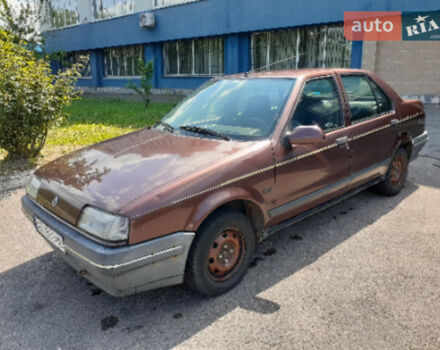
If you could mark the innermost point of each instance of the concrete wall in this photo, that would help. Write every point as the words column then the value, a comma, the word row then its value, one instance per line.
column 410, row 67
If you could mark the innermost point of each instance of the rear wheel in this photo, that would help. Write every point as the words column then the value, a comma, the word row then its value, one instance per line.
column 221, row 253
column 396, row 175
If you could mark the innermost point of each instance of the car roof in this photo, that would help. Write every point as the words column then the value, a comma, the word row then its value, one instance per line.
column 295, row 73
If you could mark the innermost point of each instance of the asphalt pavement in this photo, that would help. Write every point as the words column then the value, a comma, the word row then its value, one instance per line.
column 364, row 274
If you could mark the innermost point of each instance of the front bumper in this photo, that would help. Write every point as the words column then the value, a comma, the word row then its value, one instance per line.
column 418, row 143
column 118, row 271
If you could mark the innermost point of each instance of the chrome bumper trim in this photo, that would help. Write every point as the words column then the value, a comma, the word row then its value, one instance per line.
column 418, row 143
column 148, row 259
column 421, row 139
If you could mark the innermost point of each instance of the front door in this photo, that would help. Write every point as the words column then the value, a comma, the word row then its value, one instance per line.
column 308, row 175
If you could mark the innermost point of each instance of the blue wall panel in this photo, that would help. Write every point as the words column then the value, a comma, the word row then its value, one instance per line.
column 356, row 54
column 244, row 53
column 96, row 67
column 181, row 83
column 218, row 17
column 86, row 82
column 118, row 82
column 237, row 53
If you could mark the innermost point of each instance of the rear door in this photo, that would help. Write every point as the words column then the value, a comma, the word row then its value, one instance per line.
column 372, row 127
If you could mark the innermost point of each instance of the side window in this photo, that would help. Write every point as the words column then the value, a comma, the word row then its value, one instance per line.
column 319, row 104
column 383, row 101
column 360, row 97
column 366, row 99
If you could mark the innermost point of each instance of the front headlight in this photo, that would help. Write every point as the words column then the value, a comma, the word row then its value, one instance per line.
column 104, row 225
column 32, row 187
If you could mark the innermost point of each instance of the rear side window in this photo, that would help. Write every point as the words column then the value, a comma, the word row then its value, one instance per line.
column 319, row 105
column 365, row 98
column 383, row 101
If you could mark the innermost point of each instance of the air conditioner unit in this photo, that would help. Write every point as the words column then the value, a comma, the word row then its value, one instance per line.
column 147, row 20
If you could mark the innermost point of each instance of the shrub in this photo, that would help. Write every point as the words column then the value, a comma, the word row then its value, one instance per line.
column 32, row 99
column 146, row 71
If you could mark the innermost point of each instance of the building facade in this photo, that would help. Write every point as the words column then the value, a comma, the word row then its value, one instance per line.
column 191, row 41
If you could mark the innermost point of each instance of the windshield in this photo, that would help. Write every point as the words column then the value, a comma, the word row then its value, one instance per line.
column 242, row 109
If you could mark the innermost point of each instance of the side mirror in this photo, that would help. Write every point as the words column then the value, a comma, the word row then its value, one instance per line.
column 305, row 135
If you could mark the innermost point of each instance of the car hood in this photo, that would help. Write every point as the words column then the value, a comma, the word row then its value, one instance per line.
column 113, row 173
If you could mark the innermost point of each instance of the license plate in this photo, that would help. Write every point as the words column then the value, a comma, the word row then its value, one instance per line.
column 49, row 234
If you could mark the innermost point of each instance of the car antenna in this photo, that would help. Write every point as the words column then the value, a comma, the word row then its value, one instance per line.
column 246, row 74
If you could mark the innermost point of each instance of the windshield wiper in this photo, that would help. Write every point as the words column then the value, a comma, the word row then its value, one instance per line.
column 204, row 131
column 165, row 125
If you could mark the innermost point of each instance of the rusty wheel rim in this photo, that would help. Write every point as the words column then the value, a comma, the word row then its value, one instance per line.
column 226, row 254
column 397, row 168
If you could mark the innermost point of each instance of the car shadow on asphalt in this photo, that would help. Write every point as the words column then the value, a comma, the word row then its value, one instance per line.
column 44, row 304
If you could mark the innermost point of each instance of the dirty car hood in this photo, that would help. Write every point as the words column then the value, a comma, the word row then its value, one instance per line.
column 113, row 173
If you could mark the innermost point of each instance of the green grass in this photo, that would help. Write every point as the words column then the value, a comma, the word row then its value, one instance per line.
column 94, row 120
column 90, row 121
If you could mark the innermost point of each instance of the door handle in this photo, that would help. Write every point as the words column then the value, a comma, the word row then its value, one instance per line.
column 343, row 142
column 394, row 122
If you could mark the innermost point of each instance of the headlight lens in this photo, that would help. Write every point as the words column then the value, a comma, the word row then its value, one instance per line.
column 104, row 225
column 32, row 187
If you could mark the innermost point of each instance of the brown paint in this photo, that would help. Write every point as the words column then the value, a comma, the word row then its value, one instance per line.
column 167, row 183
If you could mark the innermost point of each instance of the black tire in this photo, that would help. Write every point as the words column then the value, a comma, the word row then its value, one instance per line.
column 395, row 177
column 221, row 253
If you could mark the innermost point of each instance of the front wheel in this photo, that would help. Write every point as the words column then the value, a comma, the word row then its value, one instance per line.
column 221, row 253
column 396, row 175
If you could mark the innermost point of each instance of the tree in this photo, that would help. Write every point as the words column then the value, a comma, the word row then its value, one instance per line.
column 32, row 99
column 146, row 71
column 23, row 20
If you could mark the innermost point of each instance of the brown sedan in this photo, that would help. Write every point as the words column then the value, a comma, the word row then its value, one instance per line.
column 243, row 157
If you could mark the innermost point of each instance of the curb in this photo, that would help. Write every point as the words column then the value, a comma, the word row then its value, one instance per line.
column 14, row 182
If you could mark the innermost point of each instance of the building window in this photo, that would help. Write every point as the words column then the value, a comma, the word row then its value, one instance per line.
column 82, row 57
column 58, row 13
column 306, row 47
column 54, row 14
column 122, row 61
column 166, row 3
column 194, row 57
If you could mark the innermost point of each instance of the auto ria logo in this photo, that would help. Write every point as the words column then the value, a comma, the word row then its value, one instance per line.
column 424, row 26
column 391, row 25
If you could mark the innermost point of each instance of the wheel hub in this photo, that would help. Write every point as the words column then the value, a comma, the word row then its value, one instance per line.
column 396, row 170
column 225, row 253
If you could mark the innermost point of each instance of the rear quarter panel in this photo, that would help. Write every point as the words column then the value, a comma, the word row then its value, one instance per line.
column 413, row 118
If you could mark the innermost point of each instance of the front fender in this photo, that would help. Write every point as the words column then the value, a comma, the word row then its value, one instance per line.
column 217, row 199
